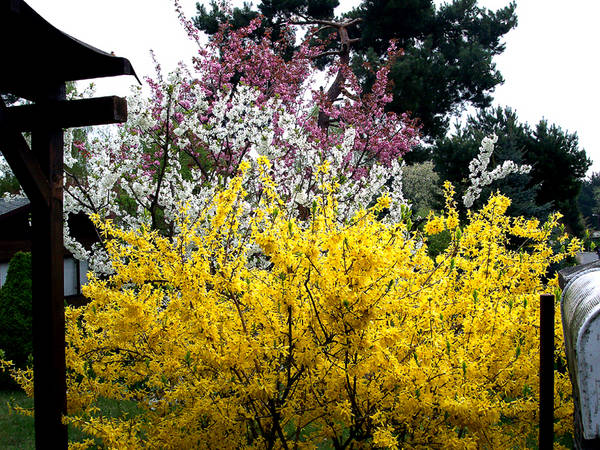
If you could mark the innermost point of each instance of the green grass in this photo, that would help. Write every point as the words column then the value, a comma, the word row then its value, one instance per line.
column 17, row 430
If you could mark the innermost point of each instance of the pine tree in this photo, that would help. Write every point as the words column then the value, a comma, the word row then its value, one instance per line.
column 16, row 331
column 587, row 200
column 558, row 164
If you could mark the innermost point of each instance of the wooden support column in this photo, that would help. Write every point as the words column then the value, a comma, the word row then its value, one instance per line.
column 48, row 286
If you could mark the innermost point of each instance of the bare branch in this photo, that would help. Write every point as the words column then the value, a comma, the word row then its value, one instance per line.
column 325, row 23
column 329, row 53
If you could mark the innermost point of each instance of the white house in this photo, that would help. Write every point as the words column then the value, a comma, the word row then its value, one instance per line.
column 15, row 236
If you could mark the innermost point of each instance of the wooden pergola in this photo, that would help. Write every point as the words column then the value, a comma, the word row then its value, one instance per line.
column 37, row 61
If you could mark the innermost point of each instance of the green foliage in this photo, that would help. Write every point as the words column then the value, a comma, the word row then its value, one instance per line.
column 16, row 430
column 16, row 313
column 558, row 164
column 588, row 200
column 422, row 188
column 448, row 54
column 9, row 184
column 438, row 243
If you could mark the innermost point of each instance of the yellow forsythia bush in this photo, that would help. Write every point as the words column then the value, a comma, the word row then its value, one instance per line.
column 349, row 336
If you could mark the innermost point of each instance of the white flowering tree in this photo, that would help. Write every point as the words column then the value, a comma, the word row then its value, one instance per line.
column 240, row 101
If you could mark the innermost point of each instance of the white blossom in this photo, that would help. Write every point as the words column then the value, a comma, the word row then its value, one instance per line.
column 116, row 184
column 480, row 177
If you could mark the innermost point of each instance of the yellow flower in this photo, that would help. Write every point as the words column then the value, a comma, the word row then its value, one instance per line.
column 434, row 224
column 340, row 327
column 383, row 202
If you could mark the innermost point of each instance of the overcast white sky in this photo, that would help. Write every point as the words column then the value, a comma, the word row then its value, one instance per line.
column 550, row 64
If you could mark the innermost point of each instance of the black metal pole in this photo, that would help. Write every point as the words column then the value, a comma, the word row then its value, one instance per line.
column 546, row 425
column 50, row 401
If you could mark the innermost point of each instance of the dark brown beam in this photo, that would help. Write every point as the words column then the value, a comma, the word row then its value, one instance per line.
column 22, row 161
column 69, row 114
column 49, row 365
column 9, row 248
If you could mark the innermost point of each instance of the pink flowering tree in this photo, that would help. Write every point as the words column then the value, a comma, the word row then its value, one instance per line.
column 238, row 101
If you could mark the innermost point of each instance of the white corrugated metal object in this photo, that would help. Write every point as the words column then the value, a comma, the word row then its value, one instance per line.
column 580, row 307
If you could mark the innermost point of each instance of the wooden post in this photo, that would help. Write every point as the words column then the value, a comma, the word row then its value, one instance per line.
column 546, row 425
column 40, row 172
column 50, row 400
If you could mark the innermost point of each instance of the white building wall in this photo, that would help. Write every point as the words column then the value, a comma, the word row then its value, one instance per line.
column 70, row 282
column 3, row 272
column 83, row 271
column 70, row 279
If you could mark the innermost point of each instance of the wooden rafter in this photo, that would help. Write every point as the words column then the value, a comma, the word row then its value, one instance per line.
column 69, row 114
column 21, row 160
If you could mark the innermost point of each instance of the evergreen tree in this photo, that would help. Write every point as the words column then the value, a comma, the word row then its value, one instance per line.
column 448, row 54
column 558, row 164
column 275, row 16
column 452, row 156
column 588, row 200
column 16, row 331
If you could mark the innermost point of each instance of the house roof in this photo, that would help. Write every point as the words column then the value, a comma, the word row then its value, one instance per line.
column 15, row 230
column 36, row 55
column 12, row 205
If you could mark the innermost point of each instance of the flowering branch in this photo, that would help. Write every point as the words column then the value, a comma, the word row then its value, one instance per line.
column 480, row 177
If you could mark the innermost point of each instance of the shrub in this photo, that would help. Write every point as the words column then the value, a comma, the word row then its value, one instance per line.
column 438, row 243
column 347, row 334
column 422, row 188
column 16, row 313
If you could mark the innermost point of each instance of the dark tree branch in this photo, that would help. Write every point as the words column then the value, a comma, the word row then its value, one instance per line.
column 344, row 53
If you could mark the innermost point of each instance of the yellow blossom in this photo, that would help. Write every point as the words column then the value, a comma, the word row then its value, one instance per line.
column 346, row 332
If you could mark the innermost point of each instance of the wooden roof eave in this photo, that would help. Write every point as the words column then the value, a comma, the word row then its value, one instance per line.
column 39, row 55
